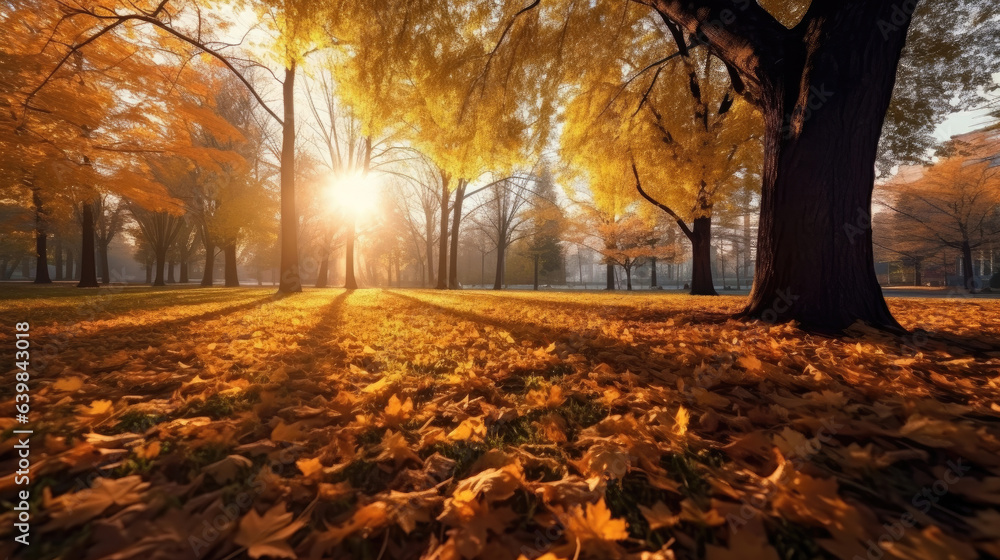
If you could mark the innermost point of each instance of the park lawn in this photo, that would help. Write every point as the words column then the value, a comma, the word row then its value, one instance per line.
column 397, row 424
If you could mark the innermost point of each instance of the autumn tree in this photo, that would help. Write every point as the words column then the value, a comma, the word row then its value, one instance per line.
column 545, row 230
column 110, row 214
column 955, row 202
column 503, row 217
column 680, row 128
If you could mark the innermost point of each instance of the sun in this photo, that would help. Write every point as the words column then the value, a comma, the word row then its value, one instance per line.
column 355, row 193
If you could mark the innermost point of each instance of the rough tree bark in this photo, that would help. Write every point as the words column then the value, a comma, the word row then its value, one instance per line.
column 823, row 87
column 652, row 273
column 610, row 277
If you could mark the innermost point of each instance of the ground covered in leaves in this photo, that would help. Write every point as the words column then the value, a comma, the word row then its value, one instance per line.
column 196, row 423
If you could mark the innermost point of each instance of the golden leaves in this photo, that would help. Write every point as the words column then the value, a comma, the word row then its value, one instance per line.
column 471, row 429
column 594, row 522
column 397, row 412
column 644, row 405
column 266, row 535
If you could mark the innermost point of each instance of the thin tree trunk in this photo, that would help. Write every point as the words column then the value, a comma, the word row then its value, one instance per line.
column 814, row 251
column 58, row 258
column 428, row 280
column 498, row 279
column 41, row 242
column 455, row 223
column 746, row 246
column 610, row 277
column 289, row 282
column 88, row 264
column 102, row 253
column 232, row 275
column 968, row 273
column 536, row 272
column 442, row 275
column 918, row 265
column 185, row 264
column 350, row 282
column 652, row 273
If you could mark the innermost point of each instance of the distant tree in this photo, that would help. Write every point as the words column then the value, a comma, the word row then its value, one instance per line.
column 110, row 214
column 955, row 202
column 545, row 231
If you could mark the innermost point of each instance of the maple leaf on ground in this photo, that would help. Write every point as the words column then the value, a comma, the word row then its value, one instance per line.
column 79, row 507
column 593, row 522
column 471, row 429
column 395, row 448
column 266, row 535
column 397, row 412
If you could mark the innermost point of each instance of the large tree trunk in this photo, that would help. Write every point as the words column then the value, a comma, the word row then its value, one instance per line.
column 918, row 266
column 41, row 242
column 232, row 275
column 628, row 278
column 652, row 273
column 610, row 277
column 442, row 275
column 702, row 283
column 170, row 273
column 88, row 264
column 455, row 223
column 185, row 263
column 351, row 283
column 814, row 249
column 289, row 281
